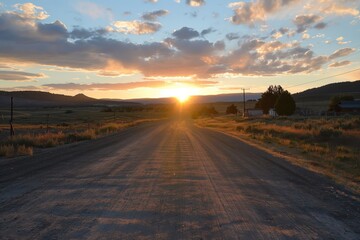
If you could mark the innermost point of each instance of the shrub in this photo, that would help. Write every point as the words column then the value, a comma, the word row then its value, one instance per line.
column 86, row 135
column 240, row 128
column 11, row 150
column 108, row 128
column 232, row 109
column 327, row 133
column 24, row 150
column 7, row 150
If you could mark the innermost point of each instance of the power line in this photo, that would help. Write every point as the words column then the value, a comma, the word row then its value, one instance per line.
column 320, row 79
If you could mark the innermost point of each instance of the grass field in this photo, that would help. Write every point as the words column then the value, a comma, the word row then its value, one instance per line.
column 327, row 145
column 37, row 128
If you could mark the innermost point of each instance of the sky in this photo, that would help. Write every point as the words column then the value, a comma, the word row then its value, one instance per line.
column 160, row 48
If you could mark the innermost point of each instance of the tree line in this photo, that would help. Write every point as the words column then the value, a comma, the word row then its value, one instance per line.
column 274, row 97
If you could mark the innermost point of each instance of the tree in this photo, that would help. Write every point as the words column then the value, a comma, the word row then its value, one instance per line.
column 268, row 98
column 285, row 104
column 336, row 100
column 232, row 109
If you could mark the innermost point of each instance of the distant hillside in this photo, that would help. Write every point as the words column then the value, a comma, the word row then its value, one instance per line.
column 46, row 99
column 325, row 93
column 232, row 97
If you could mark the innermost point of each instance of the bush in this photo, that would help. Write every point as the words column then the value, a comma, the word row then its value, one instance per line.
column 203, row 111
column 24, row 150
column 7, row 150
column 11, row 150
column 232, row 109
column 327, row 133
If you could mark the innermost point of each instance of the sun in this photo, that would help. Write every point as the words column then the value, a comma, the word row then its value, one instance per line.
column 182, row 99
column 182, row 94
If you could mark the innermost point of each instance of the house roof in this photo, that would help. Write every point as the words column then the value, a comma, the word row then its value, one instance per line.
column 350, row 104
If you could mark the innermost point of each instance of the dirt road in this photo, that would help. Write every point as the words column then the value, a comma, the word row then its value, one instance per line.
column 169, row 180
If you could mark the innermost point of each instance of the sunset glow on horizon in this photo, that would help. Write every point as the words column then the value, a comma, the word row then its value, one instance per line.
column 176, row 48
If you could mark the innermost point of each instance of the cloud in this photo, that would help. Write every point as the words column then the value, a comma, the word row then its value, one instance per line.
column 3, row 65
column 31, row 11
column 152, row 16
column 26, row 40
column 106, row 86
column 207, row 31
column 333, row 7
column 320, row 25
column 19, row 76
column 303, row 22
column 339, row 64
column 16, row 26
column 186, row 33
column 305, row 36
column 250, row 13
column 258, row 57
column 195, row 47
column 340, row 41
column 276, row 34
column 342, row 53
column 232, row 36
column 151, row 1
column 193, row 14
column 195, row 3
column 82, row 33
column 184, row 53
column 136, row 27
column 93, row 10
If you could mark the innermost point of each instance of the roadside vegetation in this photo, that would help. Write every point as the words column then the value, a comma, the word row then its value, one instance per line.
column 327, row 145
column 50, row 127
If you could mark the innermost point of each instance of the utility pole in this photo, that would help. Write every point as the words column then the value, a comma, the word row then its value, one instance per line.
column 244, row 100
column 12, row 133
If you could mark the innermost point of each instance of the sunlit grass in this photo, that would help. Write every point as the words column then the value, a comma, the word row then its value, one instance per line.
column 332, row 145
column 32, row 130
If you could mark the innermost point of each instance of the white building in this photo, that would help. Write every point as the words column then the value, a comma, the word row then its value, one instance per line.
column 253, row 112
column 272, row 112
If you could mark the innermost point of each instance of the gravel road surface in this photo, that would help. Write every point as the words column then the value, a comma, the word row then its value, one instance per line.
column 169, row 180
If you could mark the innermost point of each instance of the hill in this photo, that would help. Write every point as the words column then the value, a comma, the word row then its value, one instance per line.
column 232, row 97
column 46, row 99
column 325, row 93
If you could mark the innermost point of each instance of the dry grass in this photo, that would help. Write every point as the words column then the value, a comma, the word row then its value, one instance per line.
column 23, row 144
column 330, row 145
column 13, row 150
column 7, row 150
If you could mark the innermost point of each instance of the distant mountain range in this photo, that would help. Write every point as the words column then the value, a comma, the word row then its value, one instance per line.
column 46, row 99
column 325, row 93
column 232, row 97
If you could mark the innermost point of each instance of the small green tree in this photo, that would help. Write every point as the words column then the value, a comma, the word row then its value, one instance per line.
column 336, row 100
column 232, row 109
column 285, row 104
column 268, row 98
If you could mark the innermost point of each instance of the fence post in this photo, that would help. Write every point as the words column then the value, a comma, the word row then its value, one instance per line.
column 47, row 122
column 12, row 133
